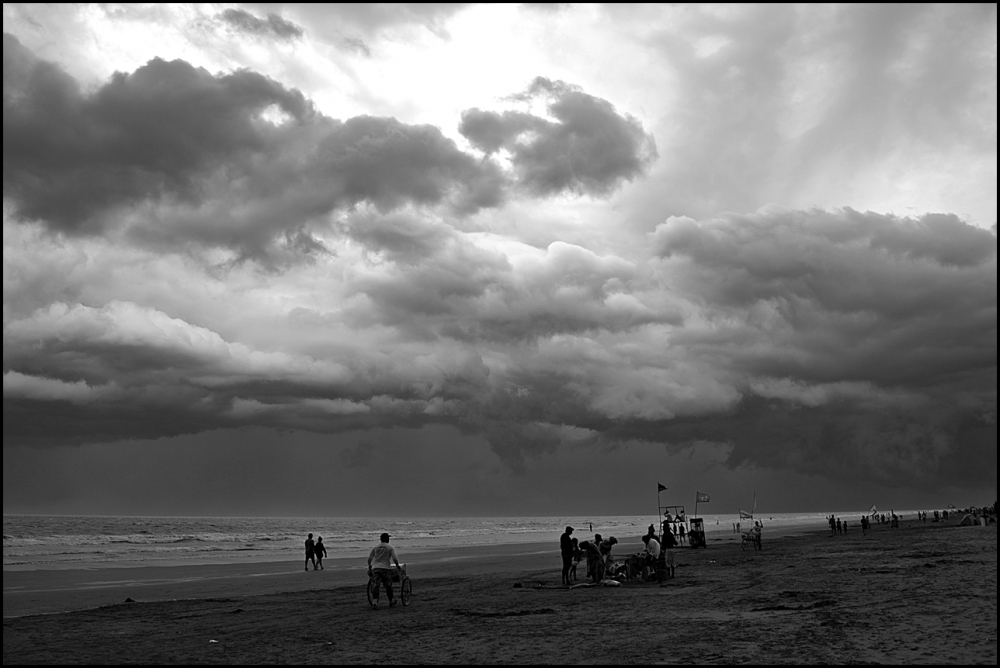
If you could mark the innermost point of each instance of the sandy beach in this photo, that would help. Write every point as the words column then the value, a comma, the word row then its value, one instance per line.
column 923, row 593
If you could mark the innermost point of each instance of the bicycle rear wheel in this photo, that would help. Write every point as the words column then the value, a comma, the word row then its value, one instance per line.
column 405, row 590
column 372, row 591
column 743, row 544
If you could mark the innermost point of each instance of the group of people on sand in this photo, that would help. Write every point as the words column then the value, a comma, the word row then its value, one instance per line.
column 597, row 553
column 838, row 526
column 315, row 551
column 600, row 561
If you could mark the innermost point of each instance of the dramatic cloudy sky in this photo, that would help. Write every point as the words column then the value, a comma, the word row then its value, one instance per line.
column 342, row 260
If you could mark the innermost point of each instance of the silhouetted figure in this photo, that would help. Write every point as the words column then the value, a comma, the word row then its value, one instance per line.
column 566, row 551
column 669, row 543
column 577, row 558
column 320, row 551
column 310, row 552
column 605, row 547
column 595, row 564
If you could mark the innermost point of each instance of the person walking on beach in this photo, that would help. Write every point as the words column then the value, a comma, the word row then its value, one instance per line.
column 310, row 552
column 683, row 537
column 320, row 552
column 566, row 550
column 379, row 566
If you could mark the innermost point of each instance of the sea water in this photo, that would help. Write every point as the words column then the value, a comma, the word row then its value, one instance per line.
column 60, row 541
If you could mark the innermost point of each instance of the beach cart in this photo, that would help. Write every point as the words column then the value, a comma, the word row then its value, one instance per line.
column 696, row 532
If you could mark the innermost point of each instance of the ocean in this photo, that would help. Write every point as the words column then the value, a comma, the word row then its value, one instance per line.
column 60, row 541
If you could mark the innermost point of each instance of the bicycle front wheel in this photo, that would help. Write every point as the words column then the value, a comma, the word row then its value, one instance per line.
column 372, row 591
column 405, row 591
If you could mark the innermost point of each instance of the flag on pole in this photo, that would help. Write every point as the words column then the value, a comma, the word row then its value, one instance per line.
column 872, row 510
column 745, row 515
column 660, row 488
column 703, row 498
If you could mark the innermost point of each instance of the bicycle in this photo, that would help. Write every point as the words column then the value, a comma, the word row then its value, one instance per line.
column 750, row 539
column 399, row 575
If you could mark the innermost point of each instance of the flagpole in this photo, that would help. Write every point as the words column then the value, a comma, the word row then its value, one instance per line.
column 658, row 525
column 659, row 488
column 696, row 503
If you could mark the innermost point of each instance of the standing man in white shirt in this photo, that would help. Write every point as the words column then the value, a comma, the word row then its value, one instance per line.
column 379, row 565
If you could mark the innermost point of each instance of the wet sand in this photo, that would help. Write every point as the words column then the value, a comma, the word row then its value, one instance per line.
column 923, row 593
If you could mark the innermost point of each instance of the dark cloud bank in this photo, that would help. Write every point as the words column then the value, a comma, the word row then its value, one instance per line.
column 830, row 342
column 179, row 155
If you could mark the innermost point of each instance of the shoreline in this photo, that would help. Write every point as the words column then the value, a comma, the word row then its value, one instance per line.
column 923, row 593
column 62, row 588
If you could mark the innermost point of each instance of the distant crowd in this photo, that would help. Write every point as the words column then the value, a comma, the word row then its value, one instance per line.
column 839, row 526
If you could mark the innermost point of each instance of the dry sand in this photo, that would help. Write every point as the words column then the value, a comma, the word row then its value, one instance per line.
column 923, row 593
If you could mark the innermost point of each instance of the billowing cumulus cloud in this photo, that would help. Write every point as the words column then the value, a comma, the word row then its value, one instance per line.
column 175, row 155
column 589, row 148
column 178, row 155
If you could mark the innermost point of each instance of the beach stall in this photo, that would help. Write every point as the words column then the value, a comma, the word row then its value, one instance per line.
column 696, row 525
column 696, row 534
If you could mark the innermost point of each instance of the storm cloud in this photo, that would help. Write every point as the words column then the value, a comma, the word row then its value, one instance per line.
column 816, row 341
column 589, row 148
column 249, row 231
column 177, row 155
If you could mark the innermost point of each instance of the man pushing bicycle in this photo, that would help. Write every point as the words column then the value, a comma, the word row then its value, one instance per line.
column 380, row 567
